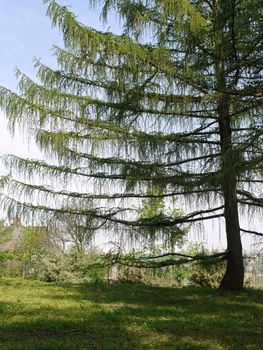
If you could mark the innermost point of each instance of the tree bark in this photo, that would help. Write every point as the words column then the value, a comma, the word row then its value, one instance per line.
column 234, row 275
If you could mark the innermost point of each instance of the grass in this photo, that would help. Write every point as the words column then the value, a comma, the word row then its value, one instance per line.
column 36, row 315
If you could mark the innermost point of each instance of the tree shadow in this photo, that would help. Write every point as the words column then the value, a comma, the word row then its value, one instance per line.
column 50, row 328
column 102, row 317
column 225, row 318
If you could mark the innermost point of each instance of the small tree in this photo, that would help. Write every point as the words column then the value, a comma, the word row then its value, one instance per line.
column 34, row 243
column 79, row 230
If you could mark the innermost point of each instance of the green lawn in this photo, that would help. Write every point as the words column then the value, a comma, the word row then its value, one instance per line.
column 35, row 315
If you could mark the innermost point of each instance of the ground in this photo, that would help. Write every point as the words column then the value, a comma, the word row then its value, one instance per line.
column 36, row 315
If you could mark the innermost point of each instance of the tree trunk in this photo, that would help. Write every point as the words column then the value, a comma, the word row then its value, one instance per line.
column 234, row 275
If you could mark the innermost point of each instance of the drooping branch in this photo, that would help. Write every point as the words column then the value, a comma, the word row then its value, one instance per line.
column 146, row 262
column 111, row 215
column 29, row 166
column 255, row 200
column 252, row 232
column 185, row 256
column 29, row 189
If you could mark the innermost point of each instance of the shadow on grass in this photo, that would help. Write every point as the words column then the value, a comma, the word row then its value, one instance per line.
column 68, row 328
column 101, row 317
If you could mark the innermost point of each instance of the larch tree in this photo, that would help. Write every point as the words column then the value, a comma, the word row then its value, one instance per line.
column 172, row 108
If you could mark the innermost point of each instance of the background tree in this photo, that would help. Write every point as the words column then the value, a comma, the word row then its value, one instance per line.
column 175, row 101
column 77, row 230
column 33, row 244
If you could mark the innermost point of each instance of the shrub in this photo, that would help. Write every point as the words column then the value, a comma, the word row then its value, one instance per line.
column 206, row 274
column 72, row 267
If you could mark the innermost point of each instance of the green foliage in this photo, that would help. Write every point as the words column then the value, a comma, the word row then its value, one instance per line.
column 153, row 206
column 5, row 256
column 170, row 277
column 119, row 110
column 205, row 274
column 204, row 270
column 154, row 211
column 34, row 243
column 72, row 267
column 39, row 256
column 5, row 232
column 10, row 266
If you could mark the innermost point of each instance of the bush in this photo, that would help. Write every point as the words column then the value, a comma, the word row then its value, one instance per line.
column 170, row 276
column 206, row 274
column 73, row 267
column 10, row 266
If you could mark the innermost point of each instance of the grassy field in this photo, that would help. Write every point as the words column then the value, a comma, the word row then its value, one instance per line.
column 35, row 315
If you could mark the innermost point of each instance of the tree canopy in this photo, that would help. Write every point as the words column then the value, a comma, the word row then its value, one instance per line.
column 172, row 108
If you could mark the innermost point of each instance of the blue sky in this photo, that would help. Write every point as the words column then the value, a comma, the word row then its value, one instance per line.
column 26, row 33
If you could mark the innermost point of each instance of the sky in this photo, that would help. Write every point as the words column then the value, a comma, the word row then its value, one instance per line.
column 26, row 33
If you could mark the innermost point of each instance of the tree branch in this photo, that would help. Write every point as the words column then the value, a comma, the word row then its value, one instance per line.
column 252, row 232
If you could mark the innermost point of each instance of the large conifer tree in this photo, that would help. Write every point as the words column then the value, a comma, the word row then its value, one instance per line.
column 171, row 108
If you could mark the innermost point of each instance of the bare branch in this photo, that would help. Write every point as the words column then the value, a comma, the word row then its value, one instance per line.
column 252, row 232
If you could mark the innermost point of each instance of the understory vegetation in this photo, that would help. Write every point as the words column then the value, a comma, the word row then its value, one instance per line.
column 41, row 254
column 95, row 266
column 5, row 232
column 38, row 255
